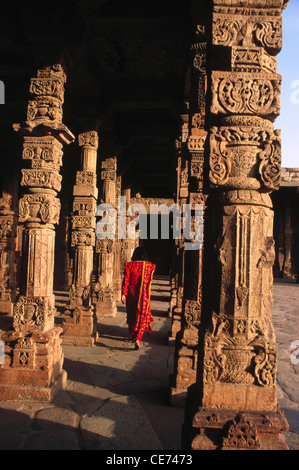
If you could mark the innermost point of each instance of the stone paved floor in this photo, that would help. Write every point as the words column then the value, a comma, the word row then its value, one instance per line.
column 117, row 398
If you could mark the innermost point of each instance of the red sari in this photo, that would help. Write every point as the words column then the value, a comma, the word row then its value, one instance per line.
column 137, row 281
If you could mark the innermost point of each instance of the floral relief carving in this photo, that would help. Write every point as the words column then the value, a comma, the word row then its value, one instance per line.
column 47, row 87
column 88, row 139
column 38, row 150
column 192, row 313
column 270, row 165
column 239, row 30
column 245, row 94
column 83, row 237
column 43, row 208
column 240, row 156
column 83, row 221
column 88, row 178
column 41, row 178
column 238, row 359
column 31, row 311
column 44, row 108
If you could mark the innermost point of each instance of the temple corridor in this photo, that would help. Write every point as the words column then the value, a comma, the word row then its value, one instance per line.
column 116, row 111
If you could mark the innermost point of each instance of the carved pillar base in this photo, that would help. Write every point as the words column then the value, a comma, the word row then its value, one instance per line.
column 226, row 429
column 79, row 326
column 33, row 366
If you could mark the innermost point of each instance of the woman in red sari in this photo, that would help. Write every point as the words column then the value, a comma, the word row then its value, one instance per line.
column 136, row 292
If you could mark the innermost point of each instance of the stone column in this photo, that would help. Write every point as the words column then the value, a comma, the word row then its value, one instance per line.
column 33, row 353
column 127, row 247
column 176, row 302
column 186, row 344
column 175, row 250
column 233, row 404
column 117, row 247
column 8, row 225
column 104, row 292
column 79, row 322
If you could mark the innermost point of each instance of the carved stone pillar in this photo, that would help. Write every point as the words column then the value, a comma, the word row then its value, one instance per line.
column 233, row 404
column 185, row 366
column 117, row 247
column 104, row 289
column 174, row 278
column 176, row 302
column 33, row 353
column 8, row 223
column 127, row 245
column 79, row 322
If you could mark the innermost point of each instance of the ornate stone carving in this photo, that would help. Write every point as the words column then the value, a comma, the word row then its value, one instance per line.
column 90, row 139
column 24, row 354
column 238, row 355
column 244, row 31
column 39, row 208
column 242, row 93
column 41, row 179
column 47, row 87
column 83, row 237
column 252, row 59
column 241, row 156
column 44, row 108
column 242, row 434
column 83, row 221
column 31, row 312
column 192, row 313
column 87, row 178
